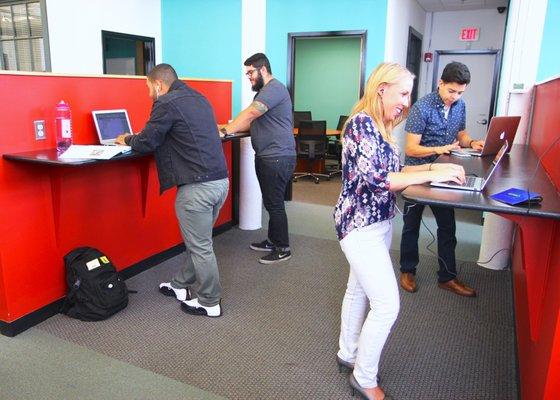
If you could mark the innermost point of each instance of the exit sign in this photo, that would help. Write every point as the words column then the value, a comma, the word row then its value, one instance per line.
column 469, row 34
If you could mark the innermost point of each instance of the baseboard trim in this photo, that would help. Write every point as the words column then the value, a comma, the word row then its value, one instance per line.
column 14, row 328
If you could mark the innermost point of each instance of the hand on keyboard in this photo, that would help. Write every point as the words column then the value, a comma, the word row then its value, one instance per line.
column 446, row 172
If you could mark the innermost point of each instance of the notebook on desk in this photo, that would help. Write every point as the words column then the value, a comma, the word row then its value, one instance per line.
column 500, row 128
column 92, row 152
column 476, row 183
column 110, row 124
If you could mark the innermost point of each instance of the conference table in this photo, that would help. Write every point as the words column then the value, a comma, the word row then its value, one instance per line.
column 535, row 261
column 330, row 132
column 301, row 165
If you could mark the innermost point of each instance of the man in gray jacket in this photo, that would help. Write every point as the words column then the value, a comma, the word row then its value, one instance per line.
column 183, row 134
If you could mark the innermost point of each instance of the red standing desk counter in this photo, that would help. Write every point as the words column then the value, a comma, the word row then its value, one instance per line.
column 535, row 257
column 49, row 207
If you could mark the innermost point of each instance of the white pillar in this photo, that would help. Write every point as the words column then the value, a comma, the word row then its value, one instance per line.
column 253, row 30
column 495, row 246
column 250, row 199
column 519, row 71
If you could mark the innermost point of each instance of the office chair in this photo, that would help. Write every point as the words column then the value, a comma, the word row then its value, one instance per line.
column 311, row 144
column 341, row 121
column 301, row 116
column 334, row 150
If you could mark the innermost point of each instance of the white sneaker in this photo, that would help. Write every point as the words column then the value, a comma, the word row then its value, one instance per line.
column 195, row 308
column 180, row 294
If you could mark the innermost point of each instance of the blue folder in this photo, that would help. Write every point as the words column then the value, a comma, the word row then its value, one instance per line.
column 516, row 196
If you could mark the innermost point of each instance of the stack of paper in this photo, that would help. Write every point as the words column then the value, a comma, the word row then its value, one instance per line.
column 93, row 152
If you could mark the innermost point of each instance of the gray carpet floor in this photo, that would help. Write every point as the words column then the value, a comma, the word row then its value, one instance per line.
column 278, row 336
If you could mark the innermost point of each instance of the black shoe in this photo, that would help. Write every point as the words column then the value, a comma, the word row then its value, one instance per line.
column 355, row 386
column 265, row 245
column 193, row 307
column 276, row 256
column 344, row 366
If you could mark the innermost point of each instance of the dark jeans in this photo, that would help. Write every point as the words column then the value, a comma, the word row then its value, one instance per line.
column 446, row 240
column 274, row 174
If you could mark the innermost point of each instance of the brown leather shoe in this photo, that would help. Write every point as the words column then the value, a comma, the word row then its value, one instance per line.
column 408, row 282
column 458, row 287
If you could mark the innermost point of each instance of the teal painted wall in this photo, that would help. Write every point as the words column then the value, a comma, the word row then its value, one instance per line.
column 202, row 39
column 291, row 16
column 549, row 64
column 327, row 92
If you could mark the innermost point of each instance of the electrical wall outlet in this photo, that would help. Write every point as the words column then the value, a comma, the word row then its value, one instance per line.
column 40, row 131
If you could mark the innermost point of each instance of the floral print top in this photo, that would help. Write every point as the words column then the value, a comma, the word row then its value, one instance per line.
column 367, row 160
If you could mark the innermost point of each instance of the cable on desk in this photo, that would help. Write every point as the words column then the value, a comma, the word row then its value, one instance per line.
column 407, row 208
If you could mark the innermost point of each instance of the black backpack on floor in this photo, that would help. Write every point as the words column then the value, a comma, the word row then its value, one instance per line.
column 95, row 290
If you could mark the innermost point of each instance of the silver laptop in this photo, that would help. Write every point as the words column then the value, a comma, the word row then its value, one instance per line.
column 499, row 128
column 476, row 183
column 110, row 124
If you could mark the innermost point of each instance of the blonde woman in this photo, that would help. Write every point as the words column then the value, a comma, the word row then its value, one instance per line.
column 363, row 214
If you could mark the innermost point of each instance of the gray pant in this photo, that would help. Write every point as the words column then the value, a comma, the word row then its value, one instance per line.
column 197, row 206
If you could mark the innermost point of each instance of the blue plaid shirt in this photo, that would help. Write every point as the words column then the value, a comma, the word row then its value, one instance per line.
column 427, row 118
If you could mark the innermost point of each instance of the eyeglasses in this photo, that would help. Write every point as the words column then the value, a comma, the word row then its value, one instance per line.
column 249, row 73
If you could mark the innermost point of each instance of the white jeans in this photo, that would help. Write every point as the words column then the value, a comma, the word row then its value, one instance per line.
column 372, row 283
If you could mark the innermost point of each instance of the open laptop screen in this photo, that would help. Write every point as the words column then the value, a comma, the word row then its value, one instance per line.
column 110, row 124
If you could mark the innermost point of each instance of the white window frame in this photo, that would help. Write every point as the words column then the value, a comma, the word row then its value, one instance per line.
column 44, row 36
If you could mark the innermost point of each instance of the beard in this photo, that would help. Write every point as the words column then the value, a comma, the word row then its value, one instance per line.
column 259, row 82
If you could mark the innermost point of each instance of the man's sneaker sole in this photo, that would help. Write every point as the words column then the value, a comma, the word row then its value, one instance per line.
column 277, row 260
column 198, row 311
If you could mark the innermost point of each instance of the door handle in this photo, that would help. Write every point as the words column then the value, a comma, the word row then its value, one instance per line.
column 482, row 121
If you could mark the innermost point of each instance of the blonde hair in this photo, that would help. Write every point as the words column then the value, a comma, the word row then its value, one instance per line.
column 371, row 102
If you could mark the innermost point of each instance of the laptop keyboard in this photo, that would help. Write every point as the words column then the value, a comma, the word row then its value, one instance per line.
column 469, row 182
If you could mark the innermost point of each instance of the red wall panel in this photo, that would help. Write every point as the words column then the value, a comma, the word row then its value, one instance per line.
column 539, row 349
column 545, row 127
column 47, row 211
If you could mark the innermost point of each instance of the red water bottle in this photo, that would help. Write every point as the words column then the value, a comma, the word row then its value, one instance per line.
column 63, row 127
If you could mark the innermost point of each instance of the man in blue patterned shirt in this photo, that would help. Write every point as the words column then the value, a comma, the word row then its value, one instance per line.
column 435, row 126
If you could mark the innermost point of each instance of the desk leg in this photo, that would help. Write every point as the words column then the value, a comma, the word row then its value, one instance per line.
column 536, row 280
column 56, row 188
column 143, row 176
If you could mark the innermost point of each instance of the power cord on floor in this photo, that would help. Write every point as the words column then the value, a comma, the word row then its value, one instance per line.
column 407, row 210
column 463, row 263
column 454, row 274
column 428, row 246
